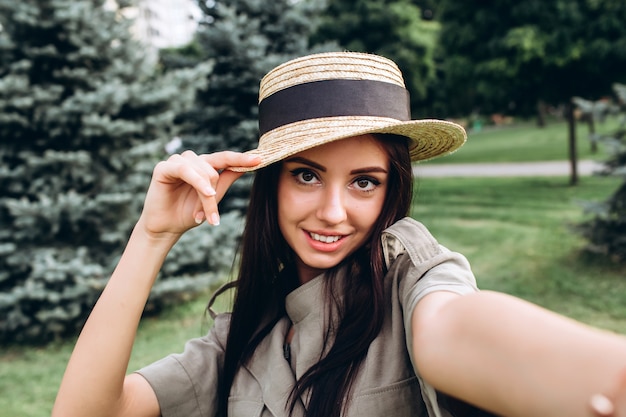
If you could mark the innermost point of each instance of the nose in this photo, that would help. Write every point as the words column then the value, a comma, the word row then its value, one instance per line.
column 332, row 207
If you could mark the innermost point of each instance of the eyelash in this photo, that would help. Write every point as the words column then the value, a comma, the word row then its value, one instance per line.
column 296, row 173
column 374, row 182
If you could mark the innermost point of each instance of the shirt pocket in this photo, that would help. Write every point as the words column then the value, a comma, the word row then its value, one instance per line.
column 244, row 407
column 400, row 399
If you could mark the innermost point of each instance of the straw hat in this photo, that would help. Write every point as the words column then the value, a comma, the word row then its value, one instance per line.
column 325, row 97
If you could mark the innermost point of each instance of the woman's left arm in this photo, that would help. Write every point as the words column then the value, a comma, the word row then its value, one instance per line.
column 512, row 357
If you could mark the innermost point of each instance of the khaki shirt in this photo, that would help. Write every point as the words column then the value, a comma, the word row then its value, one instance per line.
column 387, row 385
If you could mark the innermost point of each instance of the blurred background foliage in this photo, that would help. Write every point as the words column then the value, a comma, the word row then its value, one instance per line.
column 85, row 114
column 605, row 231
column 518, row 56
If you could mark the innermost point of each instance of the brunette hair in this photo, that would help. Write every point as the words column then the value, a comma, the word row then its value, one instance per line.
column 266, row 276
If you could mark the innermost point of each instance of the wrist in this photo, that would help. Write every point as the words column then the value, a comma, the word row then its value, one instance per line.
column 163, row 240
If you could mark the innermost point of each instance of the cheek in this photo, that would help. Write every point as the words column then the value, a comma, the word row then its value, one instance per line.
column 292, row 205
column 366, row 213
column 291, row 200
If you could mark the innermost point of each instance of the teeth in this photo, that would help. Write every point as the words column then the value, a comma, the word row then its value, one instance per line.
column 325, row 239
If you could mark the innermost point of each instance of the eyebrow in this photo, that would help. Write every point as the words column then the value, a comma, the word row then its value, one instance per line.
column 319, row 167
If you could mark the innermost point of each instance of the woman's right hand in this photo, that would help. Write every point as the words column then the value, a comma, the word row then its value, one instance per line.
column 186, row 188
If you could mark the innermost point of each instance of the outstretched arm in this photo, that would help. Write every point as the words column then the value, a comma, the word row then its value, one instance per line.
column 183, row 192
column 512, row 357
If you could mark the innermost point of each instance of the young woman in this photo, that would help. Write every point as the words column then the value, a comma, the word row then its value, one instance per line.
column 344, row 306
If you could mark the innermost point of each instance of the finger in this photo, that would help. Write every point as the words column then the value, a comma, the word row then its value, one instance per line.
column 190, row 169
column 618, row 395
column 181, row 168
column 613, row 403
column 201, row 172
column 207, row 196
column 223, row 160
column 227, row 178
column 601, row 405
column 227, row 159
column 208, row 173
column 199, row 215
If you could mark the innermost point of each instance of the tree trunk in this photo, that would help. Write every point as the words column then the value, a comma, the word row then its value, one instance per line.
column 592, row 130
column 541, row 113
column 571, row 122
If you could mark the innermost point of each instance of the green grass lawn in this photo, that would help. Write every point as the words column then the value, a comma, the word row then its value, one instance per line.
column 517, row 234
column 514, row 231
column 30, row 377
column 526, row 142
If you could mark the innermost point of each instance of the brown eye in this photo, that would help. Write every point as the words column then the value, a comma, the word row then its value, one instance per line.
column 365, row 184
column 307, row 176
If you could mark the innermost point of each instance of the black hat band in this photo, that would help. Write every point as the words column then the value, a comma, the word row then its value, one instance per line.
column 331, row 98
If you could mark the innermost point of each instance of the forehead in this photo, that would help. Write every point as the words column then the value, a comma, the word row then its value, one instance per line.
column 354, row 150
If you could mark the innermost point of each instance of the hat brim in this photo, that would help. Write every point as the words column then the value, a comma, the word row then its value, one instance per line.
column 429, row 138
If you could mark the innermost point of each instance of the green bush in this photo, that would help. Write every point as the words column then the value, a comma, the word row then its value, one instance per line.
column 245, row 39
column 606, row 230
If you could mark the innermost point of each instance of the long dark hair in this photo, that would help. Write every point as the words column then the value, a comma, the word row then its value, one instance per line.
column 265, row 278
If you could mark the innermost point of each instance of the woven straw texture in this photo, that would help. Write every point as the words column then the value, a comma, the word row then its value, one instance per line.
column 429, row 138
column 330, row 66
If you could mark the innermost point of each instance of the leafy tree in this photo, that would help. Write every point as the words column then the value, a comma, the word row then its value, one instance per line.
column 498, row 54
column 395, row 29
column 512, row 56
column 83, row 117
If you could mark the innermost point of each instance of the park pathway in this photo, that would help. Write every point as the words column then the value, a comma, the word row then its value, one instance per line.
column 505, row 169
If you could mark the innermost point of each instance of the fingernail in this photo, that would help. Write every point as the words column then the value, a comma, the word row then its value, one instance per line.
column 209, row 191
column 601, row 405
column 199, row 217
column 215, row 219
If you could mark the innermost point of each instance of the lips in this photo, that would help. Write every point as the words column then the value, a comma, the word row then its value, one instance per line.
column 324, row 238
column 326, row 242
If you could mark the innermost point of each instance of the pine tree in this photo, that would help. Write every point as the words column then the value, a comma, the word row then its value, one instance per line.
column 245, row 39
column 83, row 117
